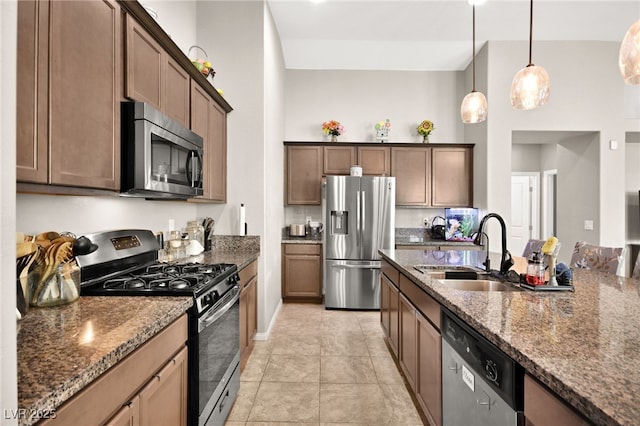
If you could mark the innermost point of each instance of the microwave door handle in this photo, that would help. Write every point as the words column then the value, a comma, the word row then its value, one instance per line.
column 193, row 179
column 197, row 175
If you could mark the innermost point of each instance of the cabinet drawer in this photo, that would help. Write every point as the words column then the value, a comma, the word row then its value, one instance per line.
column 392, row 273
column 248, row 272
column 303, row 249
column 421, row 300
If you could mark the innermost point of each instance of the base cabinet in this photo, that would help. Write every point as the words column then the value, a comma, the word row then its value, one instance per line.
column 542, row 407
column 390, row 308
column 248, row 310
column 410, row 319
column 148, row 387
column 302, row 272
column 429, row 381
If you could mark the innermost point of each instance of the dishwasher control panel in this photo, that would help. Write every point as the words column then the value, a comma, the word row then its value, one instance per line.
column 502, row 373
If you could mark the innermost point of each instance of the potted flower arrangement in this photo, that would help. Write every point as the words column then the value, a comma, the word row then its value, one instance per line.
column 333, row 128
column 425, row 128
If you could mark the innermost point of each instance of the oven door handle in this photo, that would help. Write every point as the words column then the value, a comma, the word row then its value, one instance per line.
column 214, row 315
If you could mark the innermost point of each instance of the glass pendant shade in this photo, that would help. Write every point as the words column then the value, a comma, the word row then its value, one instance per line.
column 474, row 108
column 530, row 88
column 629, row 59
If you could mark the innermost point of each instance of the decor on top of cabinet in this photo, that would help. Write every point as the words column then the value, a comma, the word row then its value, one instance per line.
column 382, row 130
column 333, row 128
column 425, row 128
column 203, row 65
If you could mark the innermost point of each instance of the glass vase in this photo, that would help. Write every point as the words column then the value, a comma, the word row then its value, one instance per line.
column 334, row 138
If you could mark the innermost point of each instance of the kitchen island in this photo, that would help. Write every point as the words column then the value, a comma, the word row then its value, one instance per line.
column 583, row 345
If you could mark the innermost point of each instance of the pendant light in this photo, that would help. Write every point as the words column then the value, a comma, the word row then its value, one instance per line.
column 530, row 86
column 474, row 105
column 629, row 59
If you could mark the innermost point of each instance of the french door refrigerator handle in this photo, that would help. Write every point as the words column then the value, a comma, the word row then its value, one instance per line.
column 347, row 266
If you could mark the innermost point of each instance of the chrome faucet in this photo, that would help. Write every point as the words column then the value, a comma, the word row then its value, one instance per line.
column 506, row 261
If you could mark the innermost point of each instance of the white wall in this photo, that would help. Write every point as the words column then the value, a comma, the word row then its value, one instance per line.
column 273, row 169
column 8, row 358
column 525, row 157
column 579, row 193
column 360, row 99
column 177, row 19
column 587, row 94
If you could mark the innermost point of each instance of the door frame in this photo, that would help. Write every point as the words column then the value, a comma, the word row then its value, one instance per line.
column 534, row 182
column 548, row 201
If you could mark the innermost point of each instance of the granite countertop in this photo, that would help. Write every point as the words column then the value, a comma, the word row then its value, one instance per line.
column 62, row 349
column 302, row 240
column 584, row 345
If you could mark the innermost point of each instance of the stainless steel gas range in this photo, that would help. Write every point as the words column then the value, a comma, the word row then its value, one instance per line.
column 125, row 264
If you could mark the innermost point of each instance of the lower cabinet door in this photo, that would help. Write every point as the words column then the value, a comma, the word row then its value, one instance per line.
column 394, row 319
column 129, row 415
column 384, row 303
column 163, row 401
column 408, row 340
column 429, row 386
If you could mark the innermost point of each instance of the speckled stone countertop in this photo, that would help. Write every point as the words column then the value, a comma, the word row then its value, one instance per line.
column 62, row 349
column 584, row 345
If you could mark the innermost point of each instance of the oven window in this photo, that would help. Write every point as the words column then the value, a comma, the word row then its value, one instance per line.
column 219, row 344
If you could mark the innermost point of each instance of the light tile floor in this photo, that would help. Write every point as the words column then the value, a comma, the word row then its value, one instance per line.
column 323, row 367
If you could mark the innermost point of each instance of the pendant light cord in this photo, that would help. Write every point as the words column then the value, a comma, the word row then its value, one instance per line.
column 473, row 60
column 530, row 31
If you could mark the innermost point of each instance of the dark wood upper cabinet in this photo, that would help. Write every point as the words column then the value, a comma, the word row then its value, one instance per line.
column 153, row 76
column 426, row 175
column 304, row 175
column 411, row 167
column 452, row 175
column 69, row 127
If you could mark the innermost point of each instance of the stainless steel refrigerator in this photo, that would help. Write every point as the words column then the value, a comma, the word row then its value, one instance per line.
column 359, row 214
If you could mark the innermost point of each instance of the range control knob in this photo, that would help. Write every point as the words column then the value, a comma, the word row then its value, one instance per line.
column 492, row 371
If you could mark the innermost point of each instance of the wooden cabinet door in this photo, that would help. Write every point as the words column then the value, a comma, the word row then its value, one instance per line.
column 394, row 319
column 302, row 271
column 252, row 311
column 452, row 177
column 384, row 303
column 145, row 65
column 339, row 159
column 32, row 137
column 174, row 99
column 163, row 401
column 411, row 167
column 304, row 175
column 375, row 160
column 408, row 341
column 85, row 75
column 128, row 415
column 543, row 407
column 429, row 381
column 209, row 120
column 244, row 329
column 217, row 146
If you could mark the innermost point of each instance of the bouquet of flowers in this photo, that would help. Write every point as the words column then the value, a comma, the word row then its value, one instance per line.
column 333, row 128
column 425, row 128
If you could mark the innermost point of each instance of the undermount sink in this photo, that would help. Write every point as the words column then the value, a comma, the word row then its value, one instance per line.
column 478, row 285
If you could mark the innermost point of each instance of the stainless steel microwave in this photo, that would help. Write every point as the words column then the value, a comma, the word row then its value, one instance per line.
column 160, row 157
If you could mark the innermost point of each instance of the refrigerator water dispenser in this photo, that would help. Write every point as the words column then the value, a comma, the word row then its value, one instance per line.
column 339, row 222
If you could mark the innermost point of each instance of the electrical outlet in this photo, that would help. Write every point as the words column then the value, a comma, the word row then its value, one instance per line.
column 425, row 221
column 308, row 219
column 588, row 225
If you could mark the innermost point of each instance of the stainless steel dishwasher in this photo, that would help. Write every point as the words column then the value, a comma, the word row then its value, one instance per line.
column 481, row 385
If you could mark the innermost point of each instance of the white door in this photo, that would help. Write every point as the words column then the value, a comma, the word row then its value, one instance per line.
column 524, row 211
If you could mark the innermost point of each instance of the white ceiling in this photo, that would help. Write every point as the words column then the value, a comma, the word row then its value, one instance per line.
column 431, row 35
